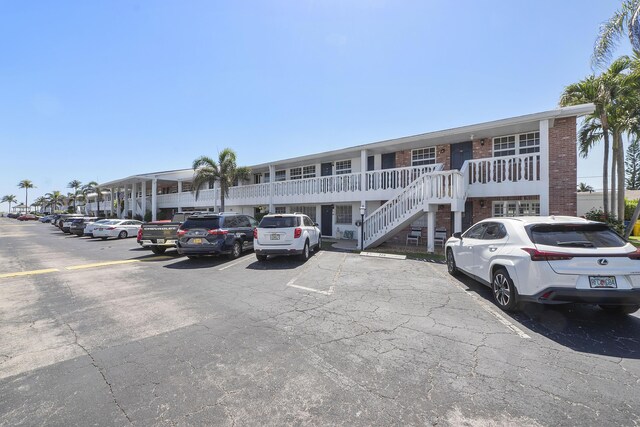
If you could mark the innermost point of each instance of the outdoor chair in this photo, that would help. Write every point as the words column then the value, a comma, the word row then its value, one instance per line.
column 440, row 236
column 414, row 236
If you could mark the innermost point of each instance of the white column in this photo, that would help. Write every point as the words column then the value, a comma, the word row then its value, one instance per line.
column 111, row 201
column 363, row 177
column 272, row 177
column 143, row 202
column 132, row 200
column 179, row 196
column 544, row 167
column 431, row 229
column 457, row 222
column 154, row 198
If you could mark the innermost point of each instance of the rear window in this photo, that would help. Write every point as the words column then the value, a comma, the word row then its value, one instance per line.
column 575, row 236
column 207, row 223
column 279, row 222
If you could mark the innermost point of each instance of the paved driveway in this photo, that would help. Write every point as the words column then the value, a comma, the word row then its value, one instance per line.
column 104, row 333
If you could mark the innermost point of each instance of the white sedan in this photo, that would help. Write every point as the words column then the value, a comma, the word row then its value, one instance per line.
column 118, row 228
column 91, row 225
column 549, row 260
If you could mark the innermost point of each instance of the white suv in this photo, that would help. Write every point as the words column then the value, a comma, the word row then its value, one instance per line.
column 549, row 260
column 286, row 234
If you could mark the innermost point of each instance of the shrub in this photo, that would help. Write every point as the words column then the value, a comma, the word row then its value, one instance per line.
column 598, row 215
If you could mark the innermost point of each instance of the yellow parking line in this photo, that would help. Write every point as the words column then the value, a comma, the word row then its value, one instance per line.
column 28, row 273
column 101, row 264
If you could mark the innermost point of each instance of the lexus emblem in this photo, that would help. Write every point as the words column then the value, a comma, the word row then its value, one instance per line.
column 602, row 261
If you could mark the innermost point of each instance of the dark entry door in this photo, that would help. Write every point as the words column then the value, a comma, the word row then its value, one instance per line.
column 467, row 217
column 388, row 178
column 459, row 153
column 326, row 169
column 326, row 220
column 388, row 160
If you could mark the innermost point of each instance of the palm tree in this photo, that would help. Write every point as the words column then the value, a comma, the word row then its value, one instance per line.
column 206, row 170
column 75, row 184
column 54, row 199
column 583, row 188
column 626, row 19
column 11, row 198
column 26, row 184
column 604, row 91
column 92, row 187
column 40, row 202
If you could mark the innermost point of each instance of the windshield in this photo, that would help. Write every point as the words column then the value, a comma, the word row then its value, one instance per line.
column 279, row 222
column 206, row 223
column 576, row 235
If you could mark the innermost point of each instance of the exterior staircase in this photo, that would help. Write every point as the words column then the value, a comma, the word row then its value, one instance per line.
column 434, row 188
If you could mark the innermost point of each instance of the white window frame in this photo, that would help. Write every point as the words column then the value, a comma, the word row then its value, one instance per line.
column 423, row 156
column 281, row 209
column 519, row 143
column 514, row 208
column 343, row 167
column 347, row 213
column 295, row 173
column 309, row 211
column 309, row 172
column 281, row 175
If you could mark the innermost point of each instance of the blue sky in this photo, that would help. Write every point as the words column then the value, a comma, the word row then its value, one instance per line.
column 105, row 89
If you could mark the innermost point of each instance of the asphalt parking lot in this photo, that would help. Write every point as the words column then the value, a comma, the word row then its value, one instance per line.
column 104, row 333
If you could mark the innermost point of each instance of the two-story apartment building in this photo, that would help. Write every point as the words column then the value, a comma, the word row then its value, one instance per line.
column 523, row 165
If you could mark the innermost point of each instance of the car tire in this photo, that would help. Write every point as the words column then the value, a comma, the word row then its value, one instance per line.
column 305, row 252
column 104, row 238
column 504, row 291
column 451, row 263
column 620, row 309
column 122, row 234
column 319, row 246
column 261, row 257
column 236, row 250
column 193, row 256
column 158, row 250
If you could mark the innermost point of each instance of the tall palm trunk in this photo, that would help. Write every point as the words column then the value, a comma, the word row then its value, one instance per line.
column 605, row 164
column 621, row 176
column 614, row 171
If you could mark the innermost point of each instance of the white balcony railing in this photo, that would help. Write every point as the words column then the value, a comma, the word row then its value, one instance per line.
column 505, row 176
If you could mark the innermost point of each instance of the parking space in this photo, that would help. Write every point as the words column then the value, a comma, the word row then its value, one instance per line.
column 118, row 336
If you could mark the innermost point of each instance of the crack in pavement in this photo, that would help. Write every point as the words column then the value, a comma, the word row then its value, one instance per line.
column 100, row 370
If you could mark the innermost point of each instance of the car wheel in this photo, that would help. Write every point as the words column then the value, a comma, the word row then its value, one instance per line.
column 319, row 247
column 451, row 263
column 193, row 256
column 261, row 257
column 104, row 238
column 236, row 251
column 122, row 234
column 305, row 252
column 620, row 309
column 158, row 250
column 504, row 291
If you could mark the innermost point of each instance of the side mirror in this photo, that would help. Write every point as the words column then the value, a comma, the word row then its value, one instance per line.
column 457, row 235
column 316, row 224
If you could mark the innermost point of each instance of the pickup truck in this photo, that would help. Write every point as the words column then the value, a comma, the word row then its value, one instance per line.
column 160, row 235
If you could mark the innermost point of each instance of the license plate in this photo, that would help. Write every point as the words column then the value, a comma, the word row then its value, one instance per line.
column 160, row 240
column 602, row 282
column 196, row 241
column 275, row 237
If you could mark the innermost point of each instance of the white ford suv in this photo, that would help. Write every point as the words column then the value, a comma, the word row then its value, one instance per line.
column 549, row 260
column 286, row 234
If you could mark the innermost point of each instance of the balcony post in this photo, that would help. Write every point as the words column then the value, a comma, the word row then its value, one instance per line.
column 143, row 202
column 544, row 167
column 431, row 229
column 363, row 176
column 154, row 199
column 179, row 203
column 272, row 177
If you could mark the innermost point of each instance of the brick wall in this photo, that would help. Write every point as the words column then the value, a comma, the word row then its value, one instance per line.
column 562, row 167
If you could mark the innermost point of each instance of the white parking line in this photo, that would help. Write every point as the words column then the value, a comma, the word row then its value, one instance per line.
column 233, row 264
column 491, row 310
column 291, row 283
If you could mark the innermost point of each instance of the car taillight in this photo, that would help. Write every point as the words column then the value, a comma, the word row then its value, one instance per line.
column 111, row 228
column 297, row 233
column 635, row 255
column 140, row 234
column 255, row 233
column 218, row 231
column 537, row 255
column 182, row 233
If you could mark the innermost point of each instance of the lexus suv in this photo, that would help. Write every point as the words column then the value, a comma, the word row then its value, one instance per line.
column 286, row 234
column 215, row 234
column 549, row 260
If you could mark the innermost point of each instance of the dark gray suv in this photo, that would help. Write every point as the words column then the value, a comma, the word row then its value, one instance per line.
column 215, row 234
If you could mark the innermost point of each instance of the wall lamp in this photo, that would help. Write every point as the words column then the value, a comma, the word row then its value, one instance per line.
column 482, row 202
column 482, row 141
column 442, row 150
